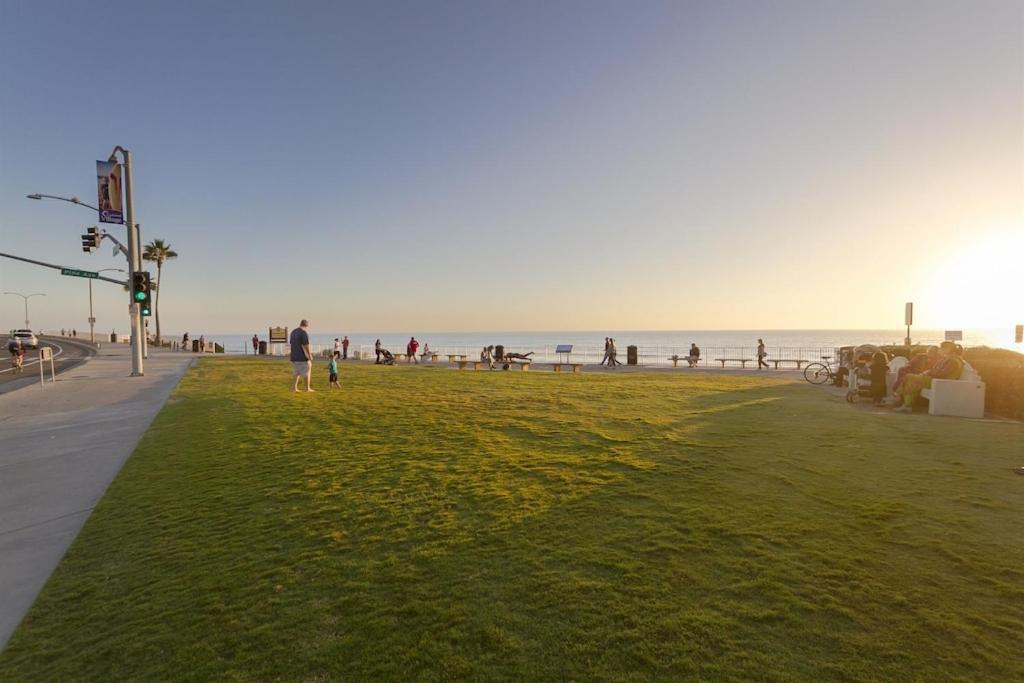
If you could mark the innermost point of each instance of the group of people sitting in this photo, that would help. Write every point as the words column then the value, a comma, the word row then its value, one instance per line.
column 937, row 362
column 490, row 355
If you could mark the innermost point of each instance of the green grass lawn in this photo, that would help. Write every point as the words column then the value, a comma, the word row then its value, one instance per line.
column 432, row 524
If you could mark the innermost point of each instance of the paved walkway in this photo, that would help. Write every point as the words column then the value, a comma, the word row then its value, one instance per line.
column 61, row 448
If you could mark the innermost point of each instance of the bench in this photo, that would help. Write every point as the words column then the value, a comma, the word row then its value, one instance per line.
column 475, row 363
column 964, row 397
column 523, row 365
column 689, row 359
column 799, row 363
column 743, row 361
column 453, row 356
column 557, row 367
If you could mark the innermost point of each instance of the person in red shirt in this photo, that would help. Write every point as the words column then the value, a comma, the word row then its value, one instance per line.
column 344, row 348
column 410, row 350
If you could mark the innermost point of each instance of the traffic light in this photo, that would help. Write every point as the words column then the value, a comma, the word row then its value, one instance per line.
column 142, row 291
column 91, row 240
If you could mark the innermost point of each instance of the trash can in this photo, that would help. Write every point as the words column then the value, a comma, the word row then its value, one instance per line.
column 195, row 346
column 113, row 338
column 263, row 348
column 631, row 355
column 499, row 352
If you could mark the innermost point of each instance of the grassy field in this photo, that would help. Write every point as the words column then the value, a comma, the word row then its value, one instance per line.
column 432, row 524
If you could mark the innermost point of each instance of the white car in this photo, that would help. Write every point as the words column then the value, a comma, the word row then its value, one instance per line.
column 28, row 340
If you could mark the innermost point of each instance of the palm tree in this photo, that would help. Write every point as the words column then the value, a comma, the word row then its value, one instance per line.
column 159, row 252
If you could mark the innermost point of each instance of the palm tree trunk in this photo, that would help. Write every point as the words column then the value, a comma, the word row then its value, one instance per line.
column 156, row 303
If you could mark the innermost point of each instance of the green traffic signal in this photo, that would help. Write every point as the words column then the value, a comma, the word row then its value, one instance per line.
column 140, row 296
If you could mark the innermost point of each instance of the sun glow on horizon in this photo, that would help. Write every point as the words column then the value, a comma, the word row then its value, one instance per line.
column 980, row 286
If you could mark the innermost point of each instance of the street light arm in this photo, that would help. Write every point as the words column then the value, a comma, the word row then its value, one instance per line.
column 69, row 200
column 120, row 246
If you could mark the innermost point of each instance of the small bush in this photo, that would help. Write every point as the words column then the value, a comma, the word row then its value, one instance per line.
column 1003, row 373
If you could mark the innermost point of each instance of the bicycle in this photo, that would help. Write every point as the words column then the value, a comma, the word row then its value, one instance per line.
column 821, row 372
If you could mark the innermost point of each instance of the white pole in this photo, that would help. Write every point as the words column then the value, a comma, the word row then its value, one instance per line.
column 92, row 320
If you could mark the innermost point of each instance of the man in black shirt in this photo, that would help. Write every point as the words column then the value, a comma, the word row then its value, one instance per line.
column 301, row 356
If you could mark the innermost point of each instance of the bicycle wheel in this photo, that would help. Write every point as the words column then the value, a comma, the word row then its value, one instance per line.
column 817, row 373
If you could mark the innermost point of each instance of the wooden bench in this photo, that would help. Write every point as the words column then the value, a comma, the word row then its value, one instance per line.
column 453, row 356
column 557, row 367
column 675, row 360
column 799, row 363
column 523, row 365
column 475, row 363
column 742, row 361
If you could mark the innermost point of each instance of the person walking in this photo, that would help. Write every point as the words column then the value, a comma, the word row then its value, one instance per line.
column 301, row 356
column 605, row 358
column 377, row 349
column 255, row 344
column 612, row 354
column 184, row 341
column 410, row 351
column 761, row 354
column 337, row 347
column 344, row 348
column 202, row 343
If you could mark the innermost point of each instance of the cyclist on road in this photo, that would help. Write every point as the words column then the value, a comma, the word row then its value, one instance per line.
column 17, row 352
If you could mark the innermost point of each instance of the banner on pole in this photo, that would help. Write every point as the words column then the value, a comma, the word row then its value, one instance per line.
column 108, row 191
column 908, row 314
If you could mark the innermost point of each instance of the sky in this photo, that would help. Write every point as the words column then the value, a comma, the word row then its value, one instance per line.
column 459, row 166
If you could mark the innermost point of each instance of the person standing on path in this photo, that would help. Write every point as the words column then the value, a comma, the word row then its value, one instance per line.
column 761, row 354
column 255, row 344
column 344, row 348
column 184, row 341
column 337, row 347
column 606, row 347
column 376, row 349
column 410, row 350
column 301, row 355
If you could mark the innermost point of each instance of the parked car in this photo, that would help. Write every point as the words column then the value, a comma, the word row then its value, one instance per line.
column 28, row 339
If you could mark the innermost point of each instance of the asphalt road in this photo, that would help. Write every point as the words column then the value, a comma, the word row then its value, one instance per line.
column 67, row 353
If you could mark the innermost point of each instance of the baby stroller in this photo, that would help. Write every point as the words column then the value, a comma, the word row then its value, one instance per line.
column 389, row 358
column 859, row 378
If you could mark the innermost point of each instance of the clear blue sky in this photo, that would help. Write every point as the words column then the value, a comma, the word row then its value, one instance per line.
column 550, row 165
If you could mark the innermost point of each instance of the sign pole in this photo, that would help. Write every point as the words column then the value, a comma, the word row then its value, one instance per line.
column 92, row 320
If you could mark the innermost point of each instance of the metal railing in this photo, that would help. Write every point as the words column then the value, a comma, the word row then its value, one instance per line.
column 647, row 356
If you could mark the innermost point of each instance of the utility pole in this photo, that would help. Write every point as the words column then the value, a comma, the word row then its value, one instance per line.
column 134, row 264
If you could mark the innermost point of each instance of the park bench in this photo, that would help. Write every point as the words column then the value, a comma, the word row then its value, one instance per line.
column 742, row 361
column 964, row 397
column 799, row 363
column 475, row 363
column 523, row 365
column 557, row 367
column 675, row 360
column 453, row 356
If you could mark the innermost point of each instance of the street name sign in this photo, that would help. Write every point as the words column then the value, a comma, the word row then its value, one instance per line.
column 74, row 272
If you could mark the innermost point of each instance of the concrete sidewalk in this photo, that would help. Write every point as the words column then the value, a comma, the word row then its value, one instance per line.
column 60, row 447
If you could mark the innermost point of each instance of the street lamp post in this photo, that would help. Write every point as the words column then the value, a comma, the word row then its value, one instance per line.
column 134, row 253
column 26, row 297
column 92, row 318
